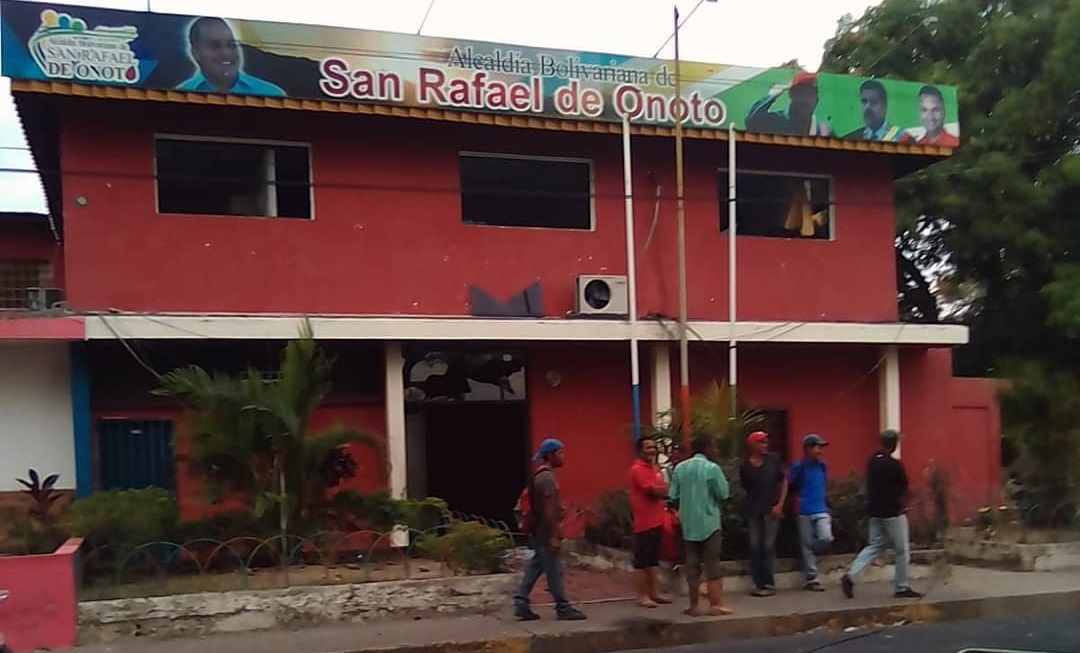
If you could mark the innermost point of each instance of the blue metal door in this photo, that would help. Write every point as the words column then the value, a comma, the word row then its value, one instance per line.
column 136, row 454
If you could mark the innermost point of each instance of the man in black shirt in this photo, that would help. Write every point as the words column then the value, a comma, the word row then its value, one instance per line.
column 887, row 490
column 762, row 475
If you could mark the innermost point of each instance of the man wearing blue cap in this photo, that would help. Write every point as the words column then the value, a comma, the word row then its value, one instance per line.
column 544, row 526
column 808, row 478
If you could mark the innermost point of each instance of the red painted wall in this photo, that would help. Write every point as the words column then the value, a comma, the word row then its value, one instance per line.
column 828, row 390
column 388, row 239
column 41, row 611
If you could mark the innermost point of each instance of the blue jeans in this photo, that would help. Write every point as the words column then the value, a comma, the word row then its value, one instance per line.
column 762, row 530
column 882, row 531
column 545, row 562
column 815, row 536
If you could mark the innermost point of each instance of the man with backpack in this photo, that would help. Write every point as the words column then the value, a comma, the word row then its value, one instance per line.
column 541, row 514
column 808, row 479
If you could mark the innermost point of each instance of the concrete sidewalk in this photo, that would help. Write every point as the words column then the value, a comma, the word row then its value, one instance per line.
column 612, row 626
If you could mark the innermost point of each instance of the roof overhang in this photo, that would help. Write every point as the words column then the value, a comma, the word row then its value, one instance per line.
column 283, row 327
column 924, row 154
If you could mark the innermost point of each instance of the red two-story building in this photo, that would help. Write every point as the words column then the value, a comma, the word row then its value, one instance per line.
column 452, row 218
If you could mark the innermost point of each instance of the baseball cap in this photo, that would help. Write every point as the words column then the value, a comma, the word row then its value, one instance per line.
column 814, row 440
column 547, row 447
column 757, row 437
column 804, row 79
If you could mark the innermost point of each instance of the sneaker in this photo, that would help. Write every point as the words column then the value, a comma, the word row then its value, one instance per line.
column 524, row 613
column 848, row 586
column 571, row 614
column 763, row 591
column 770, row 587
column 907, row 593
column 813, row 586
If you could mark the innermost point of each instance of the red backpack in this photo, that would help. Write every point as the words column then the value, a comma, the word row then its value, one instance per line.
column 524, row 514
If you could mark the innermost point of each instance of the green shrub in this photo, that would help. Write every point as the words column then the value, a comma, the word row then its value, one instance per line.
column 612, row 521
column 123, row 518
column 847, row 505
column 467, row 547
column 379, row 511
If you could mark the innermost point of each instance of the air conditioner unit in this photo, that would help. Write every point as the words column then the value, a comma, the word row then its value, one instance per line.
column 602, row 296
column 43, row 299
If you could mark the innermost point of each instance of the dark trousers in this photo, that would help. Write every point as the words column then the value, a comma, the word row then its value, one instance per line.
column 762, row 530
column 545, row 562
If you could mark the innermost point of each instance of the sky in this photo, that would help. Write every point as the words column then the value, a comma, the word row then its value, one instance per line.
column 747, row 33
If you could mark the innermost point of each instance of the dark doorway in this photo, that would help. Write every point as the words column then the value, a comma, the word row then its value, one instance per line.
column 467, row 427
column 136, row 454
column 476, row 456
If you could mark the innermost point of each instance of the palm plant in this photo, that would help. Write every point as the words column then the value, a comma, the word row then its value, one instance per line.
column 251, row 435
column 715, row 412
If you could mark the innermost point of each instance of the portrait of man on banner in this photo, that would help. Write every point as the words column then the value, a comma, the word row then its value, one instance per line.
column 213, row 48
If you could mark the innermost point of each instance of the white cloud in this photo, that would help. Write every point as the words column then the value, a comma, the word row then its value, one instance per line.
column 759, row 33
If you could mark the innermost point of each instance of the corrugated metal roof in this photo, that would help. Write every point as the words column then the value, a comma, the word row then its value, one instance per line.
column 522, row 122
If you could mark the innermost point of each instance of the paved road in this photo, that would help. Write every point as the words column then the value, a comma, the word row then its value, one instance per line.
column 1053, row 633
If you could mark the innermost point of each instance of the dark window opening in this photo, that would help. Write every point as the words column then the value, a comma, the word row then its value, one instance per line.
column 18, row 276
column 510, row 192
column 219, row 178
column 779, row 206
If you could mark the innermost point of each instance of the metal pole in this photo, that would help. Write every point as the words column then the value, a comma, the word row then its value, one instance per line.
column 733, row 359
column 680, row 219
column 631, row 278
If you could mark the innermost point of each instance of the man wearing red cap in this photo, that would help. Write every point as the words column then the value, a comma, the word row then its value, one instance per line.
column 798, row 119
column 762, row 476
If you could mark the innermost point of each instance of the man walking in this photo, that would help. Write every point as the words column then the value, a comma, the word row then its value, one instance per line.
column 698, row 485
column 808, row 477
column 545, row 528
column 648, row 494
column 887, row 490
column 761, row 475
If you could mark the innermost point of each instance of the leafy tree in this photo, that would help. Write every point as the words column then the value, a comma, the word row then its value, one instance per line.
column 710, row 413
column 251, row 435
column 1001, row 213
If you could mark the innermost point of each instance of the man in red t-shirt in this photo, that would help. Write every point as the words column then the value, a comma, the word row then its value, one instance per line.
column 648, row 501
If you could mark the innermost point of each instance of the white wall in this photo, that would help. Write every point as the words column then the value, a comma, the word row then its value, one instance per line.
column 35, row 413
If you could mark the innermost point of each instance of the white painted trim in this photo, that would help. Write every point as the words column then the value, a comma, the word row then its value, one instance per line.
column 660, row 355
column 110, row 326
column 889, row 391
column 396, row 452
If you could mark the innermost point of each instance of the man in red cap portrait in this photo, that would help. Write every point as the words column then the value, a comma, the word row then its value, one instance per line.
column 798, row 119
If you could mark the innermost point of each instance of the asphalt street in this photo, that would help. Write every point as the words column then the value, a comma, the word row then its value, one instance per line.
column 1052, row 633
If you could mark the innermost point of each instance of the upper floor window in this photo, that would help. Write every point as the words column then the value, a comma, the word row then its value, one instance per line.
column 17, row 276
column 208, row 177
column 513, row 191
column 779, row 205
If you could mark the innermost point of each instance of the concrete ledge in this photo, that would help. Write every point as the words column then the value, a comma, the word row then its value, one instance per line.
column 970, row 549
column 924, row 564
column 638, row 632
column 197, row 615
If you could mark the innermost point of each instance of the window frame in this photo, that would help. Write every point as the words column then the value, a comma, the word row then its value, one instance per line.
column 479, row 154
column 722, row 190
column 46, row 270
column 307, row 146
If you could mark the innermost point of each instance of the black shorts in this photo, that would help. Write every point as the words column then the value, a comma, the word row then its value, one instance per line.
column 647, row 548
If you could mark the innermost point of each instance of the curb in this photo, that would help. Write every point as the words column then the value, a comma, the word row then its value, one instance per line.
column 644, row 633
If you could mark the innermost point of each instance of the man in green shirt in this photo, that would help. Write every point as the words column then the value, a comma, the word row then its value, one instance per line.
column 698, row 485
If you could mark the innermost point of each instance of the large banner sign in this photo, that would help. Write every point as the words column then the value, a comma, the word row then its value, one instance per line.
column 209, row 54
